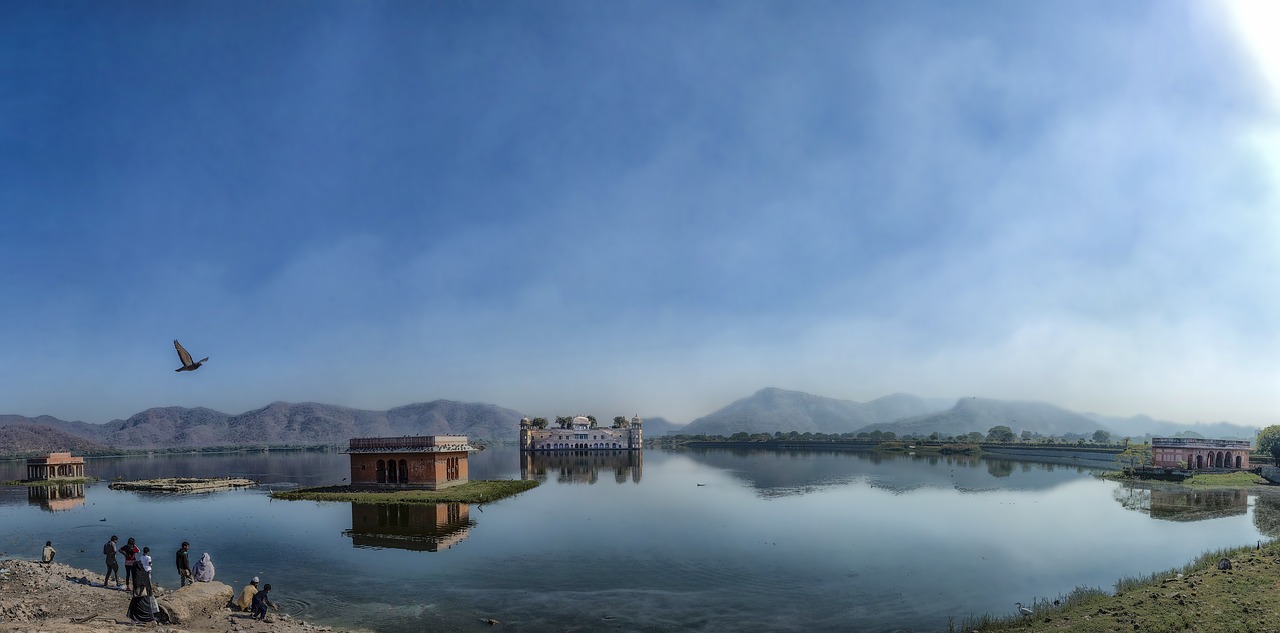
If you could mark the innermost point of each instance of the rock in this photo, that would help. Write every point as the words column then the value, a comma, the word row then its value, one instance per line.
column 197, row 601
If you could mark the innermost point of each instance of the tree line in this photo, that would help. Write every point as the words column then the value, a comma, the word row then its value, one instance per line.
column 566, row 421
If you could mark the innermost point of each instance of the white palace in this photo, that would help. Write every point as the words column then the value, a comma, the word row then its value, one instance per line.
column 580, row 435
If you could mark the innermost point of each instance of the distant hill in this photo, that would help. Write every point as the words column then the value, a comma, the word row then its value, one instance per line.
column 980, row 414
column 34, row 438
column 277, row 424
column 659, row 426
column 770, row 410
column 1140, row 425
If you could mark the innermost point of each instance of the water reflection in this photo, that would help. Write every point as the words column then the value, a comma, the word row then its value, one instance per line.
column 1266, row 514
column 1181, row 504
column 416, row 527
column 582, row 467
column 776, row 473
column 56, row 498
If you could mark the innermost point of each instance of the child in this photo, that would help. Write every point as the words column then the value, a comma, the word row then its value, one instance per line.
column 260, row 603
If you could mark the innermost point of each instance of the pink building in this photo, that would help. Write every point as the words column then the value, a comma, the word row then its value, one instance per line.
column 1197, row 453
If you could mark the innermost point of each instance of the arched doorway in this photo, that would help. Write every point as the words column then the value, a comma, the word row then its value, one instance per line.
column 1237, row 461
column 391, row 471
column 382, row 472
column 404, row 472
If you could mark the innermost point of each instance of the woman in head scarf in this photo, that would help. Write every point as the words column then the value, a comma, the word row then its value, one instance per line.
column 203, row 571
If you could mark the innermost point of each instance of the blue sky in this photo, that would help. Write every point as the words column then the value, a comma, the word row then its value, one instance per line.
column 638, row 207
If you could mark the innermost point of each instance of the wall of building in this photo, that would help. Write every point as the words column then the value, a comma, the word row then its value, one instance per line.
column 427, row 470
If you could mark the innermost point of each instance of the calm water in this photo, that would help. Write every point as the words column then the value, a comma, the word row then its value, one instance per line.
column 685, row 541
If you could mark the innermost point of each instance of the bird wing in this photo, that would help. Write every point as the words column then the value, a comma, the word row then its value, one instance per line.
column 182, row 353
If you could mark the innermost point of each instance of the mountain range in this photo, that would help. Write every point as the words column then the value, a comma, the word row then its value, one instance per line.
column 277, row 424
column 767, row 411
column 770, row 410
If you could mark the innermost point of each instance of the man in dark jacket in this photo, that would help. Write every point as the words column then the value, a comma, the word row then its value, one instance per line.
column 184, row 566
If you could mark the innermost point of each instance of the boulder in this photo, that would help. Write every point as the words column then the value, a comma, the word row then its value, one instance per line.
column 195, row 602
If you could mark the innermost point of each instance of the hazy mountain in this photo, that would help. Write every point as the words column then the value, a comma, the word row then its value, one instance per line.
column 1140, row 425
column 36, row 438
column 980, row 414
column 658, row 426
column 277, row 424
column 770, row 410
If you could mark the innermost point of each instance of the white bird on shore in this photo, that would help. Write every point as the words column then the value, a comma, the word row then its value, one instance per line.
column 1023, row 611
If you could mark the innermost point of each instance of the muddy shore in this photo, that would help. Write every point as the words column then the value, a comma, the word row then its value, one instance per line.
column 58, row 598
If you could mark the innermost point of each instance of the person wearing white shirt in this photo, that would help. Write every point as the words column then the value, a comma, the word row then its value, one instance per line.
column 144, row 573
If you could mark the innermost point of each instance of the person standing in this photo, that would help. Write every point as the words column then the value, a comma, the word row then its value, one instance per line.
column 113, row 568
column 184, row 566
column 46, row 557
column 143, row 568
column 260, row 603
column 130, row 551
column 245, row 599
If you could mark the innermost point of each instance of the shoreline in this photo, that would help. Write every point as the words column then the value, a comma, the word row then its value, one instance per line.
column 59, row 598
column 479, row 492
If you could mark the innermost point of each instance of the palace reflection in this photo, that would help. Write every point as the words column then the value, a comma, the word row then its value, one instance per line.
column 56, row 498
column 1182, row 504
column 582, row 466
column 420, row 527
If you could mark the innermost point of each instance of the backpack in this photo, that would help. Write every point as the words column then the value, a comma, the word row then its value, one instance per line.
column 108, row 549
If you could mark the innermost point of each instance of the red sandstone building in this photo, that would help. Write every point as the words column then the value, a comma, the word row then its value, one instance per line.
column 1190, row 453
column 55, row 466
column 422, row 461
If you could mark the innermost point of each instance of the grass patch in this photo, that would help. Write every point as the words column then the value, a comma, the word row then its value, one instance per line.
column 49, row 482
column 470, row 492
column 1239, row 478
column 1195, row 597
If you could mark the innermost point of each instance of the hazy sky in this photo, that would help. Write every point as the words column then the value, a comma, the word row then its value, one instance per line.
column 639, row 207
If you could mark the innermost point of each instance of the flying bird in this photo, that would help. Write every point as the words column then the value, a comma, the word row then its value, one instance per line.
column 183, row 356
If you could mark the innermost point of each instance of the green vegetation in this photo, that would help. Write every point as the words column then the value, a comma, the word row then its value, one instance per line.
column 1134, row 456
column 1269, row 442
column 1235, row 479
column 470, row 492
column 49, row 482
column 1195, row 597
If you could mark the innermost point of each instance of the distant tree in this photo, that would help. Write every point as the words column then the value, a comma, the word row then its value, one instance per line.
column 935, row 436
column 973, row 436
column 539, row 422
column 1026, row 436
column 1101, row 437
column 890, row 436
column 1269, row 442
column 1134, row 456
column 619, row 421
column 563, row 421
column 740, row 436
column 1000, row 433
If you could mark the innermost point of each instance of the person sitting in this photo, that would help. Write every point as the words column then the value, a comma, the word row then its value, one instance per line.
column 261, row 602
column 245, row 599
column 47, row 556
column 203, row 571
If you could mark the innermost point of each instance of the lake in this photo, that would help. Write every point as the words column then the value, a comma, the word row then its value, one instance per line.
column 690, row 540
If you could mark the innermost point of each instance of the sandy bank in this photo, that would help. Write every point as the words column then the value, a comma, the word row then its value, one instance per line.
column 58, row 598
column 183, row 484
